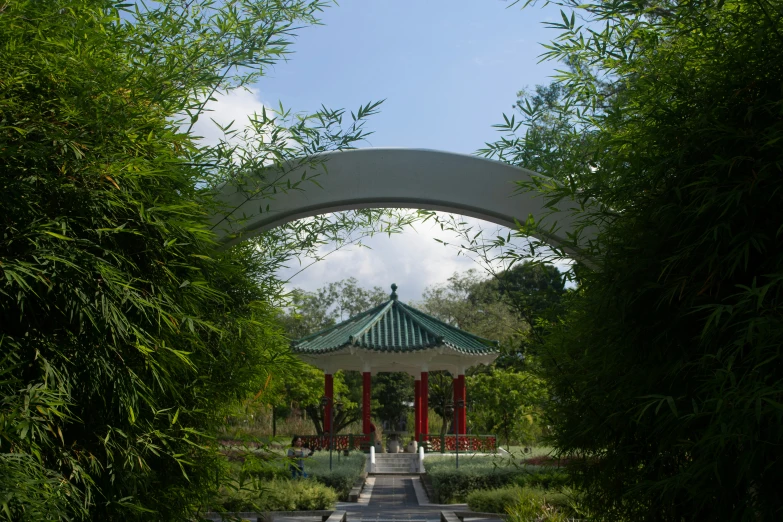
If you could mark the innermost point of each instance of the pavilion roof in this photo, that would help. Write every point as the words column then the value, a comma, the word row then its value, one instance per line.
column 393, row 327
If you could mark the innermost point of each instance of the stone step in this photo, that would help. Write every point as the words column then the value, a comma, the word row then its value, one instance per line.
column 396, row 455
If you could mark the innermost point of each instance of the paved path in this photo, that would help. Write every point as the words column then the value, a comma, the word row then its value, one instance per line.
column 397, row 498
column 392, row 498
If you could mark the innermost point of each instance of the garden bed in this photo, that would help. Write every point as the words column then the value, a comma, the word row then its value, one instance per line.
column 485, row 473
column 260, row 480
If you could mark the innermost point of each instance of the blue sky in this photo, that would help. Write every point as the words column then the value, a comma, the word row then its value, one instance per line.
column 448, row 70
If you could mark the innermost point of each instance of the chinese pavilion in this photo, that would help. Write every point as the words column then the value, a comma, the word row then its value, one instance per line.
column 395, row 337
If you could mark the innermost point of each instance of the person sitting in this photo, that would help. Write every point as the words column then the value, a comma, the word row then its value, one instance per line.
column 297, row 454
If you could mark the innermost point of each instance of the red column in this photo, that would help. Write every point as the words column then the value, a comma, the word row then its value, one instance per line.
column 329, row 394
column 417, row 408
column 425, row 405
column 366, row 400
column 454, row 398
column 463, row 413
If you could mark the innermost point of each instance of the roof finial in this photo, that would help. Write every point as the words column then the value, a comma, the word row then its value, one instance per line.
column 394, row 291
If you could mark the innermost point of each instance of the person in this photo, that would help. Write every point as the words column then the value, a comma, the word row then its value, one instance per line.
column 297, row 454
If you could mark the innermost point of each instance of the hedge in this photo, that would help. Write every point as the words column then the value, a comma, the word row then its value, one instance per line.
column 506, row 500
column 343, row 475
column 278, row 495
column 481, row 473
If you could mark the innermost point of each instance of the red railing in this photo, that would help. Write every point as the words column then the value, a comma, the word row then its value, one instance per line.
column 341, row 442
column 472, row 443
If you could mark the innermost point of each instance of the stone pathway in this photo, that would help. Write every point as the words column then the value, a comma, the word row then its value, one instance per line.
column 396, row 498
column 392, row 498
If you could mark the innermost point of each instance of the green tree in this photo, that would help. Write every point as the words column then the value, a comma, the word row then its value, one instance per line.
column 308, row 312
column 392, row 392
column 663, row 369
column 126, row 334
column 303, row 390
column 513, row 306
column 508, row 403
column 473, row 304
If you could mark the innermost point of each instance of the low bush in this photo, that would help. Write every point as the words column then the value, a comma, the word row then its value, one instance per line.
column 344, row 474
column 277, row 495
column 522, row 501
column 454, row 486
column 533, row 505
column 486, row 473
column 493, row 500
column 263, row 468
column 546, row 479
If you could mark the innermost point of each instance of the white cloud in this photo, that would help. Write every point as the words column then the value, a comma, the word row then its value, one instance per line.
column 413, row 260
column 236, row 106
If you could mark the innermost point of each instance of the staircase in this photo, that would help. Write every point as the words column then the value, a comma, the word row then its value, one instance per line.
column 396, row 464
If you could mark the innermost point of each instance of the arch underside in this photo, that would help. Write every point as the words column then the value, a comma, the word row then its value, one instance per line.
column 388, row 178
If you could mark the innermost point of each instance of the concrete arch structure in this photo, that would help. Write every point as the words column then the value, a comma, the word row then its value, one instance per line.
column 390, row 178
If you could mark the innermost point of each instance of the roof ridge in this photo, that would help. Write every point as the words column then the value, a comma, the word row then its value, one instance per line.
column 404, row 308
column 334, row 326
column 413, row 311
column 372, row 322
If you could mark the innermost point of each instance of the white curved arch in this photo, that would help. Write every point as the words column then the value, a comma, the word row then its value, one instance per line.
column 392, row 178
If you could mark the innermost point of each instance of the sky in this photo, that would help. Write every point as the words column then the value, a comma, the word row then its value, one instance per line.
column 447, row 70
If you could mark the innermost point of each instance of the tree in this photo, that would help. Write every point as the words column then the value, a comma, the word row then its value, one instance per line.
column 303, row 390
column 309, row 312
column 471, row 303
column 668, row 400
column 512, row 306
column 125, row 332
column 392, row 392
column 509, row 403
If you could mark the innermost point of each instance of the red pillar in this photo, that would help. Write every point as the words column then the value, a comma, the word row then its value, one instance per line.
column 329, row 394
column 417, row 408
column 454, row 398
column 366, row 400
column 425, row 405
column 463, row 413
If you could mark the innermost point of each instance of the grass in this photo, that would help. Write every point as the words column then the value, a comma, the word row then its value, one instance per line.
column 535, row 451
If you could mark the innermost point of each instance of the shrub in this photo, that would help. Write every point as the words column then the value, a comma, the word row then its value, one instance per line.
column 263, row 468
column 533, row 507
column 455, row 485
column 343, row 475
column 505, row 500
column 549, row 479
column 278, row 495
column 481, row 473
column 493, row 500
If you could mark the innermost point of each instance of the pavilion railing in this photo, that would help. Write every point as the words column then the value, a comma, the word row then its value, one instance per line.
column 467, row 442
column 341, row 441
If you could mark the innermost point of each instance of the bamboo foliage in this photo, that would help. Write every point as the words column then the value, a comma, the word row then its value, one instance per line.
column 662, row 134
column 126, row 333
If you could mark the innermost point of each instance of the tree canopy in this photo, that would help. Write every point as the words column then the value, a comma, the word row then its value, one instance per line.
column 662, row 134
column 126, row 332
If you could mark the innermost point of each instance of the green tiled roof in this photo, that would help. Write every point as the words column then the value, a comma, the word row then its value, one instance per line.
column 393, row 327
